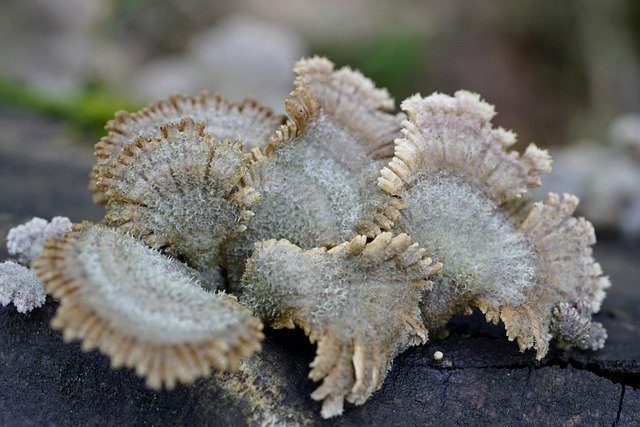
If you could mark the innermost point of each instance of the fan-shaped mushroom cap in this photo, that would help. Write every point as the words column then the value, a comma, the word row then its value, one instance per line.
column 144, row 310
column 463, row 197
column 569, row 286
column 317, row 175
column 247, row 121
column 180, row 192
column 358, row 300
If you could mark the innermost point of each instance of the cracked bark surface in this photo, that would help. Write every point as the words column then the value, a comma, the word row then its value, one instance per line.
column 482, row 379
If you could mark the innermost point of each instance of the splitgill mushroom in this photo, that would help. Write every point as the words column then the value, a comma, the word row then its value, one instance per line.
column 316, row 176
column 518, row 261
column 180, row 192
column 359, row 301
column 327, row 220
column 143, row 309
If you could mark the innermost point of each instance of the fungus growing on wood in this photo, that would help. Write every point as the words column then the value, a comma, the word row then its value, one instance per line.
column 359, row 301
column 19, row 285
column 464, row 199
column 143, row 309
column 317, row 174
column 180, row 192
column 325, row 223
column 248, row 121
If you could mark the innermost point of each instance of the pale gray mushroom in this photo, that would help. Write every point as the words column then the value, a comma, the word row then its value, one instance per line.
column 464, row 199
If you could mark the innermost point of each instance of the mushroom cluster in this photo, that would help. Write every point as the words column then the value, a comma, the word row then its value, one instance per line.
column 363, row 226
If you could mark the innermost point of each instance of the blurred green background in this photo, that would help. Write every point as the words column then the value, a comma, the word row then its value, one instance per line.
column 556, row 70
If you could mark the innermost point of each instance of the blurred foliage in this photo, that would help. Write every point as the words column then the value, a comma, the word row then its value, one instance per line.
column 390, row 60
column 556, row 71
column 632, row 16
column 88, row 112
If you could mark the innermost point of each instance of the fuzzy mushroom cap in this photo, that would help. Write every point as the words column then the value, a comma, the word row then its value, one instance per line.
column 358, row 300
column 247, row 121
column 180, row 192
column 230, row 188
column 463, row 197
column 144, row 310
column 317, row 175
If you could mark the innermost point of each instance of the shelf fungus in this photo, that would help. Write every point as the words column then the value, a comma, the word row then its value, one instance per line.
column 180, row 192
column 317, row 174
column 358, row 301
column 247, row 121
column 143, row 309
column 465, row 201
column 321, row 220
